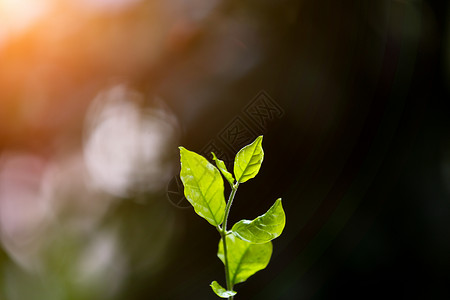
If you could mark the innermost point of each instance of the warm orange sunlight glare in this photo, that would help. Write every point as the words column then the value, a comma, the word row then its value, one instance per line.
column 17, row 16
column 56, row 54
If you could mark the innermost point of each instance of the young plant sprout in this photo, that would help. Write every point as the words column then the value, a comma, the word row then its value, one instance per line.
column 247, row 247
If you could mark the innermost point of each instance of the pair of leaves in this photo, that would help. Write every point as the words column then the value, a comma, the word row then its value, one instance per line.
column 246, row 164
column 203, row 185
column 249, row 246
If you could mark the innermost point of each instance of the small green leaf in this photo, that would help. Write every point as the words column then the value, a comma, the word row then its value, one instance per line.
column 220, row 291
column 203, row 186
column 221, row 165
column 264, row 228
column 244, row 258
column 248, row 161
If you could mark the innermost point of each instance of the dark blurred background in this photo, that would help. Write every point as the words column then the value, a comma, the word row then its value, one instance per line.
column 352, row 98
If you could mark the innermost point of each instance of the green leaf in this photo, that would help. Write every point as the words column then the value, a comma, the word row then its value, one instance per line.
column 244, row 258
column 221, row 165
column 220, row 291
column 264, row 228
column 248, row 161
column 203, row 186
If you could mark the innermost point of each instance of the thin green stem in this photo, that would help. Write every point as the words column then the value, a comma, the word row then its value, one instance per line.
column 227, row 274
column 228, row 207
column 223, row 234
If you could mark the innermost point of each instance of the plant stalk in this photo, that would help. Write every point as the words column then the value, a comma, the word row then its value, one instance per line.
column 223, row 233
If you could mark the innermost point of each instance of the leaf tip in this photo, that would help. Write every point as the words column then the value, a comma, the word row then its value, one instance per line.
column 258, row 140
column 279, row 202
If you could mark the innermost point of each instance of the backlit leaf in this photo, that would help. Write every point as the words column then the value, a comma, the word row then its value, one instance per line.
column 248, row 161
column 264, row 228
column 244, row 258
column 203, row 186
column 221, row 165
column 220, row 291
